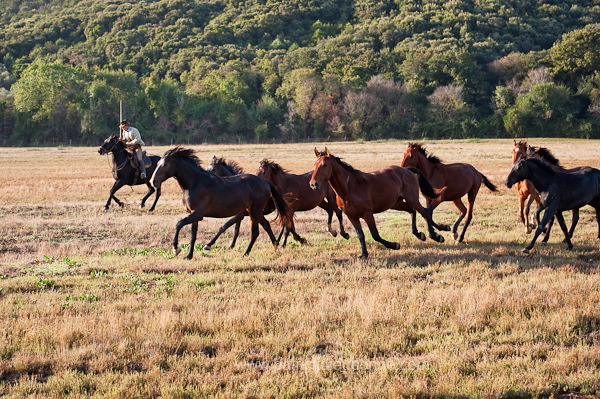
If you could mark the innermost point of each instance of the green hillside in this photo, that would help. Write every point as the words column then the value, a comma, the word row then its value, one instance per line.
column 226, row 71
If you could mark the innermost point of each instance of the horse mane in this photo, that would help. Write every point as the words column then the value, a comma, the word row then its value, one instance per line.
column 185, row 154
column 522, row 143
column 344, row 164
column 544, row 154
column 275, row 167
column 230, row 164
column 542, row 164
column 421, row 148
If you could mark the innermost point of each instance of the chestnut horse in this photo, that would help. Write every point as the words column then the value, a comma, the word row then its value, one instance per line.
column 300, row 197
column 525, row 189
column 360, row 195
column 205, row 194
column 459, row 179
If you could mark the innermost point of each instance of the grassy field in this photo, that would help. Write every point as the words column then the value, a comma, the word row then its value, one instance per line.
column 93, row 303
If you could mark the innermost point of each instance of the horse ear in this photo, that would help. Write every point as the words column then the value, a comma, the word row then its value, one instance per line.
column 514, row 142
column 326, row 151
column 317, row 152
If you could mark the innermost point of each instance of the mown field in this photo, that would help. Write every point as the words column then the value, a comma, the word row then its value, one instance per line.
column 93, row 303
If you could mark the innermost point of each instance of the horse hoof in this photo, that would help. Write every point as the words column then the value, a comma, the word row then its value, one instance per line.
column 333, row 233
column 303, row 241
column 421, row 236
column 106, row 208
column 543, row 243
column 364, row 257
column 440, row 238
column 176, row 251
column 445, row 227
column 206, row 248
column 347, row 236
column 142, row 206
column 396, row 246
column 525, row 250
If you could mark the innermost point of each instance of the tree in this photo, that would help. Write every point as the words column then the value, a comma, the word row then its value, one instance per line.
column 576, row 53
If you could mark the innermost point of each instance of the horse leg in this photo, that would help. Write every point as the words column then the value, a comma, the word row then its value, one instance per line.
column 236, row 233
column 463, row 212
column 118, row 184
column 156, row 197
column 523, row 212
column 195, row 216
column 431, row 205
column 190, row 254
column 547, row 232
column 328, row 208
column 471, row 202
column 236, row 219
column 563, row 226
column 296, row 236
column 254, row 230
column 361, row 237
column 529, row 226
column 574, row 221
column 401, row 205
column 150, row 191
column 267, row 227
column 426, row 213
column 370, row 220
column 548, row 215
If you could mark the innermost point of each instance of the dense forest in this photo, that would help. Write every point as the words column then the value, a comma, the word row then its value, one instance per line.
column 295, row 70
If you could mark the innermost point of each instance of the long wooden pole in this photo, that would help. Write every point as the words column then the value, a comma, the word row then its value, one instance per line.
column 120, row 115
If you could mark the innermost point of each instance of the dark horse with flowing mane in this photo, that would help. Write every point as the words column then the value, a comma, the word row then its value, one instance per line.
column 360, row 195
column 208, row 195
column 124, row 172
column 559, row 192
column 459, row 179
column 525, row 188
column 300, row 197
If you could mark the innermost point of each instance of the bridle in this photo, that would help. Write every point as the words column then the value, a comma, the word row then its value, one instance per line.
column 111, row 149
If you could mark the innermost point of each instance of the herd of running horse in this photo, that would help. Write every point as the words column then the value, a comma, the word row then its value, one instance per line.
column 223, row 190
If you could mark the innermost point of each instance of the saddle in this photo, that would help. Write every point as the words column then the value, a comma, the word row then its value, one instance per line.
column 134, row 161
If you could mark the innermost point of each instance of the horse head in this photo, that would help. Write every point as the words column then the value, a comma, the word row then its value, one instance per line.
column 322, row 170
column 520, row 149
column 109, row 144
column 518, row 172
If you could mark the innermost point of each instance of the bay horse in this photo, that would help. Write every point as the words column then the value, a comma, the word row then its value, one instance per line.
column 124, row 173
column 360, row 195
column 459, row 179
column 559, row 191
column 208, row 195
column 301, row 197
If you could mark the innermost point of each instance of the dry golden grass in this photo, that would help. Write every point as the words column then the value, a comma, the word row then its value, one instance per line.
column 93, row 304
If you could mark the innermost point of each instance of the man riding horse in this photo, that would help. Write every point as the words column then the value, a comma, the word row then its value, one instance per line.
column 132, row 138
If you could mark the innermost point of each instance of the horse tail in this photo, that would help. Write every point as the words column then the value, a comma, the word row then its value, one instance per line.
column 488, row 183
column 285, row 215
column 426, row 187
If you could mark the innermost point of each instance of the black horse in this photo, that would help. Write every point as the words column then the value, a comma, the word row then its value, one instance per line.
column 124, row 173
column 224, row 168
column 546, row 155
column 205, row 194
column 559, row 192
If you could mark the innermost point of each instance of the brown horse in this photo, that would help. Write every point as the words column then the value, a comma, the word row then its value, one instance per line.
column 360, row 195
column 525, row 190
column 205, row 194
column 300, row 197
column 459, row 179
